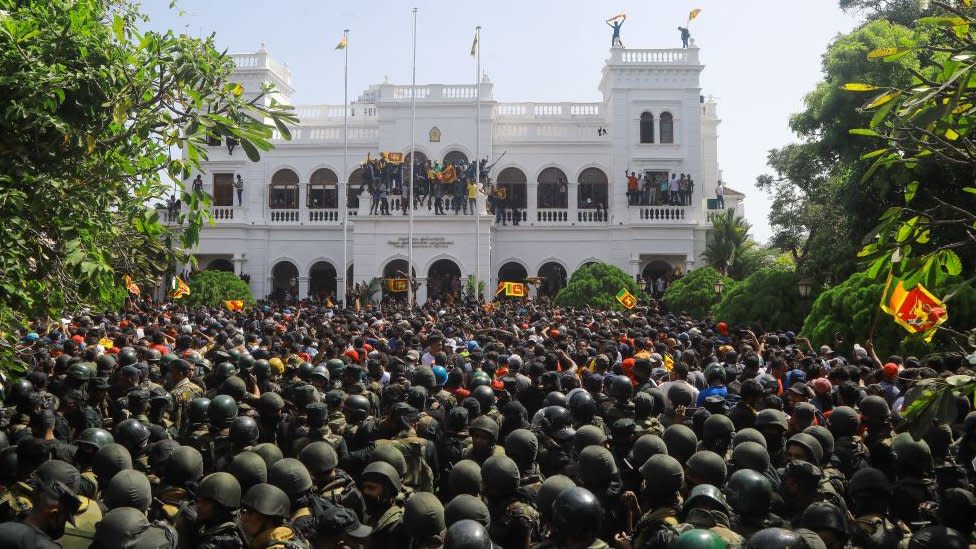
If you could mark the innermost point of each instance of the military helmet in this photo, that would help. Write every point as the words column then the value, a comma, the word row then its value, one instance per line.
column 160, row 452
column 80, row 371
column 681, row 441
column 557, row 423
column 268, row 500
column 291, row 476
column 810, row 444
column 874, row 407
column 662, row 474
column 390, row 454
column 381, row 471
column 245, row 362
column 197, row 410
column 128, row 356
column 485, row 396
column 588, row 435
column 124, row 527
column 748, row 434
column 938, row 537
column 269, row 452
column 467, row 507
column 555, row 398
column 153, row 355
column 749, row 492
column 262, row 368
column 582, row 406
column 775, row 538
column 549, row 491
column 423, row 516
column 620, row 388
column 597, row 468
column 133, row 434
column 750, row 455
column 358, row 406
column 575, row 512
column 823, row 515
column 479, row 379
column 222, row 488
column 105, row 363
column 465, row 478
column 771, row 417
column 522, row 445
column 128, row 488
column 224, row 370
column 718, row 427
column 94, row 437
column 707, row 495
column 500, row 474
column 708, row 467
column 319, row 457
column 698, row 538
column 111, row 459
column 824, row 437
column 249, row 468
column 467, row 534
column 844, row 421
column 223, row 408
column 485, row 424
column 19, row 391
column 244, row 431
column 868, row 480
column 321, row 373
column 185, row 465
column 335, row 367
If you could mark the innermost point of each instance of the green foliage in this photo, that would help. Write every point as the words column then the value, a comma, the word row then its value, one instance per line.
column 212, row 288
column 903, row 12
column 694, row 293
column 926, row 127
column 728, row 243
column 770, row 297
column 469, row 287
column 596, row 285
column 94, row 110
column 849, row 308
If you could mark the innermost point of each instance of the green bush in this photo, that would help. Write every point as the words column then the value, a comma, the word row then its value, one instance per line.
column 694, row 293
column 212, row 288
column 769, row 298
column 848, row 309
column 596, row 285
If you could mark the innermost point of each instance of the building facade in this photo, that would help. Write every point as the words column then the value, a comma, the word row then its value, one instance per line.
column 563, row 165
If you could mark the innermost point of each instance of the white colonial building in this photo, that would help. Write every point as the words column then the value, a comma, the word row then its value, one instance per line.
column 563, row 164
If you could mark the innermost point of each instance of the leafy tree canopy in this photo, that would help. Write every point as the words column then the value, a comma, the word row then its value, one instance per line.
column 694, row 293
column 596, row 285
column 212, row 288
column 95, row 110
column 729, row 244
column 770, row 298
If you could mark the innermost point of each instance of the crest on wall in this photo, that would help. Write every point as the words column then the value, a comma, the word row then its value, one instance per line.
column 434, row 134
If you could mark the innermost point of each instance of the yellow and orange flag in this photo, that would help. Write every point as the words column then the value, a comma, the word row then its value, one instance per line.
column 234, row 304
column 916, row 310
column 397, row 285
column 511, row 289
column 132, row 286
column 182, row 289
column 626, row 298
column 693, row 14
column 342, row 43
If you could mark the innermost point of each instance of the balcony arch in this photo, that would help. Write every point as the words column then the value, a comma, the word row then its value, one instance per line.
column 593, row 189
column 514, row 182
column 553, row 190
column 283, row 190
column 323, row 189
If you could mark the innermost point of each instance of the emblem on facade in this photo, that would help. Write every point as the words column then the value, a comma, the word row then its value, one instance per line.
column 435, row 135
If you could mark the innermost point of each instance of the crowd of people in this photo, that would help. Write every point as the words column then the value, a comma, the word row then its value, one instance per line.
column 446, row 186
column 649, row 190
column 518, row 425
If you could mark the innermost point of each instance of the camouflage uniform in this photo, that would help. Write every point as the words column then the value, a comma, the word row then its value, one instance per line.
column 80, row 535
column 512, row 519
column 876, row 532
column 15, row 502
column 653, row 522
column 182, row 394
column 225, row 535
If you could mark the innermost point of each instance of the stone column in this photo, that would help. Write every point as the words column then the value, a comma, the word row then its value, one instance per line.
column 302, row 287
column 572, row 202
column 531, row 201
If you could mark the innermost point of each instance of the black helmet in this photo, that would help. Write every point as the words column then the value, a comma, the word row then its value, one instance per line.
column 775, row 538
column 555, row 398
column 249, row 468
column 19, row 392
column 809, row 444
column 223, row 408
column 467, row 534
column 620, row 388
column 844, row 421
column 467, row 507
column 95, row 438
column 133, row 434
column 268, row 500
column 707, row 467
column 244, row 431
column 549, row 491
column 423, row 516
column 582, row 406
column 557, row 423
column 485, row 397
column 938, row 537
column 128, row 356
column 681, row 441
column 262, row 369
column 109, row 460
column 823, row 515
column 291, row 476
column 750, row 455
column 185, row 465
column 868, row 480
column 698, row 538
column 358, row 405
column 597, row 468
column 662, row 474
column 381, row 471
column 153, row 355
column 128, row 488
column 576, row 512
column 197, row 410
column 749, row 492
column 645, row 447
column 465, row 478
column 874, row 407
column 319, row 457
column 749, row 434
column 222, row 488
column 500, row 475
column 486, row 425
column 706, row 495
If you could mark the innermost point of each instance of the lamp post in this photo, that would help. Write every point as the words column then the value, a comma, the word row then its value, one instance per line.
column 806, row 287
column 719, row 287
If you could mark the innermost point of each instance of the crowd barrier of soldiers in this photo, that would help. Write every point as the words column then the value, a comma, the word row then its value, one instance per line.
column 516, row 426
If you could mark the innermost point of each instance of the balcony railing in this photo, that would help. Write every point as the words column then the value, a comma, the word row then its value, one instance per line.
column 590, row 217
column 552, row 216
column 284, row 216
column 662, row 214
column 323, row 215
column 222, row 213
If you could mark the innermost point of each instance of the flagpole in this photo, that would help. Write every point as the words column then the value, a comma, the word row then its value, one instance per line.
column 345, row 168
column 477, row 169
column 413, row 159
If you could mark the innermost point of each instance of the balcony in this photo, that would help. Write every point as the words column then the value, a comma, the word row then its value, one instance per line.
column 672, row 56
column 661, row 215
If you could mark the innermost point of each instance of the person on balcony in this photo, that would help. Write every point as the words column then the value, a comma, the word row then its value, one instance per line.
column 647, row 190
column 720, row 194
column 633, row 190
column 239, row 187
column 472, row 189
column 685, row 36
column 616, row 23
column 197, row 184
column 690, row 191
column 665, row 191
column 498, row 197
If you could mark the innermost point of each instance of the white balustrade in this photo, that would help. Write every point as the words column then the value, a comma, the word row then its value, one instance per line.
column 552, row 216
column 323, row 215
column 284, row 216
column 222, row 213
column 591, row 216
column 661, row 214
column 674, row 56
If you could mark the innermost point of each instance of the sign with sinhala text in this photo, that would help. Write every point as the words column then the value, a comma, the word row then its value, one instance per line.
column 422, row 242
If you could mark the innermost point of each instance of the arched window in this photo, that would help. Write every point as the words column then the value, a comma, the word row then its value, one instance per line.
column 513, row 181
column 667, row 128
column 552, row 190
column 283, row 191
column 646, row 127
column 592, row 189
column 454, row 157
column 323, row 191
column 353, row 188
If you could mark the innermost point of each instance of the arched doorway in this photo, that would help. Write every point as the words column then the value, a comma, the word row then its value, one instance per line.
column 322, row 281
column 656, row 276
column 323, row 189
column 455, row 157
column 444, row 281
column 220, row 265
column 284, row 284
column 353, row 188
column 553, row 279
column 553, row 189
column 396, row 269
column 512, row 272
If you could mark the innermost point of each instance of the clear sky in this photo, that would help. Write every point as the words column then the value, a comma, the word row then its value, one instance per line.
column 761, row 56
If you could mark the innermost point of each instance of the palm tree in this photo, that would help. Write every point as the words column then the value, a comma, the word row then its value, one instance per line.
column 728, row 240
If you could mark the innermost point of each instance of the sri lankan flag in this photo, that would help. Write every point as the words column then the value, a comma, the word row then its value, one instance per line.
column 342, row 43
column 693, row 14
column 626, row 298
column 131, row 286
column 396, row 285
column 511, row 289
column 916, row 310
column 234, row 304
column 182, row 289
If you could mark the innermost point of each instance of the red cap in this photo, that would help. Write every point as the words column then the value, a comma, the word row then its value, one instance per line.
column 352, row 354
column 890, row 370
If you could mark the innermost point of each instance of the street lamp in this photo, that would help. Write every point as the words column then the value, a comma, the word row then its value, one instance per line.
column 719, row 287
column 806, row 287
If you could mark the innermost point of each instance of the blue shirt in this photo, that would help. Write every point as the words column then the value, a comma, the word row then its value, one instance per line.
column 721, row 391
